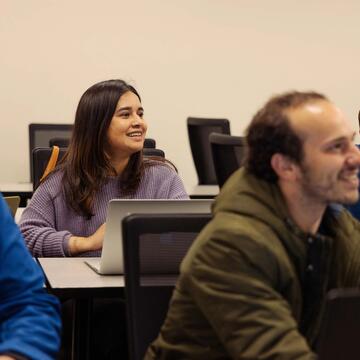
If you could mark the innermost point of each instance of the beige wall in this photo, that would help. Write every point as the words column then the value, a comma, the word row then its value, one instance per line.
column 213, row 58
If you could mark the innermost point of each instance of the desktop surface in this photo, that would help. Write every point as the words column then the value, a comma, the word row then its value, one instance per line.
column 202, row 191
column 72, row 277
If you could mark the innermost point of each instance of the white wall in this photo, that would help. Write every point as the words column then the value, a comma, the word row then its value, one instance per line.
column 189, row 57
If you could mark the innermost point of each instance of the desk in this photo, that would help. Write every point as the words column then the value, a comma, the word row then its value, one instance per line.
column 22, row 189
column 71, row 278
column 25, row 191
column 203, row 191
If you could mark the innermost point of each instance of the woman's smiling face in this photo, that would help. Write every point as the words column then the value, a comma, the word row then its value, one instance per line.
column 127, row 130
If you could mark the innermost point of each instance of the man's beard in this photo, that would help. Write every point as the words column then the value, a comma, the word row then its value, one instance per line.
column 324, row 189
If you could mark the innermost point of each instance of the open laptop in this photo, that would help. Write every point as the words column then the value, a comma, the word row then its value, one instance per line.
column 13, row 203
column 339, row 335
column 111, row 260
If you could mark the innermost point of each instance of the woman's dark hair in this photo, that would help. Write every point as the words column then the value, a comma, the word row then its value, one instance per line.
column 85, row 164
column 270, row 132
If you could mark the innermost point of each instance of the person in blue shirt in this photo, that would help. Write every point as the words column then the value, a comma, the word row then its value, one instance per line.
column 29, row 317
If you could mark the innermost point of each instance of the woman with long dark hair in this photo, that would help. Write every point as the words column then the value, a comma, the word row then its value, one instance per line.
column 67, row 213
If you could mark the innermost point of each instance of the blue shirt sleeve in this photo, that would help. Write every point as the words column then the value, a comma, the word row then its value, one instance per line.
column 29, row 317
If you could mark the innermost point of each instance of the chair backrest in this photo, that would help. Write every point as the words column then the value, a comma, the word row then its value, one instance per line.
column 40, row 158
column 153, row 152
column 149, row 143
column 13, row 202
column 64, row 142
column 40, row 135
column 227, row 153
column 199, row 130
column 154, row 246
column 339, row 332
column 60, row 142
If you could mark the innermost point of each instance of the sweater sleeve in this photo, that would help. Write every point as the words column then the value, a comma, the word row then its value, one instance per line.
column 29, row 317
column 38, row 225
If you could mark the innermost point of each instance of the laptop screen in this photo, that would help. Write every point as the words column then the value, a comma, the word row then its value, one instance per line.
column 112, row 252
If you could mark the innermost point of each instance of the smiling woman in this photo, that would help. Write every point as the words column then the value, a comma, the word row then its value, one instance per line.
column 66, row 216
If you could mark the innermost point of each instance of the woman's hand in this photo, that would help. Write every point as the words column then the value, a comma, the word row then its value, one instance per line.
column 78, row 244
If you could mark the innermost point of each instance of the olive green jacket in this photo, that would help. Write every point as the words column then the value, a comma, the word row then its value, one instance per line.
column 252, row 286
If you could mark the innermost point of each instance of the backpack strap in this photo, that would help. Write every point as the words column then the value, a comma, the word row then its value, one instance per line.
column 51, row 163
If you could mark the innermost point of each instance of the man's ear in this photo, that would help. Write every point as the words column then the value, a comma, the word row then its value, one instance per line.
column 284, row 167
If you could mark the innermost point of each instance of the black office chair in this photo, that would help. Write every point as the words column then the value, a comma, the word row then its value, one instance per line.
column 60, row 142
column 40, row 158
column 40, row 135
column 199, row 130
column 153, row 152
column 149, row 143
column 154, row 246
column 64, row 142
column 227, row 153
column 338, row 336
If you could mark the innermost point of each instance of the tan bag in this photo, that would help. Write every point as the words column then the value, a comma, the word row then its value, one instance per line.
column 51, row 163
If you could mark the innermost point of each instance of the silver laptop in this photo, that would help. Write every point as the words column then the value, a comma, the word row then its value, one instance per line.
column 111, row 260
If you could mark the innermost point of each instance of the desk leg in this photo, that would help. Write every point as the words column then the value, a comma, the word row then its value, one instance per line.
column 81, row 329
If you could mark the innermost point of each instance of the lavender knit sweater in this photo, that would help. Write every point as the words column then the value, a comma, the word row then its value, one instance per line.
column 47, row 223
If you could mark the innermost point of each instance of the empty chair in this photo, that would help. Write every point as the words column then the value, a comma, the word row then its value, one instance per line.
column 153, row 152
column 199, row 130
column 40, row 135
column 149, row 143
column 40, row 158
column 153, row 248
column 227, row 154
column 60, row 142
